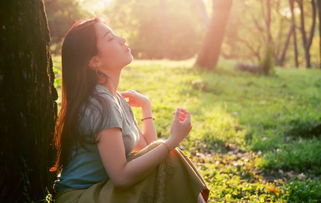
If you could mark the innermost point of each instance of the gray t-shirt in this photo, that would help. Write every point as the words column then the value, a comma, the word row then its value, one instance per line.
column 86, row 168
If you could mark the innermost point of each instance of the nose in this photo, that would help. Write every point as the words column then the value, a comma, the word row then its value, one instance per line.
column 122, row 40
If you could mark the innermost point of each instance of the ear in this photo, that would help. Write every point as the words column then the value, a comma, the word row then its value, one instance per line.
column 94, row 62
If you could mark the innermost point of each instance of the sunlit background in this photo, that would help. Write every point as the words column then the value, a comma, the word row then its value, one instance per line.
column 256, row 137
column 158, row 29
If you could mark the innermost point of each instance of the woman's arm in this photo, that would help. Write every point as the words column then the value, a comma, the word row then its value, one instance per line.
column 139, row 100
column 141, row 143
column 123, row 173
column 148, row 128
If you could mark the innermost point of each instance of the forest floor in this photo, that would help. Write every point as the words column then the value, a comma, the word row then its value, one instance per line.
column 254, row 138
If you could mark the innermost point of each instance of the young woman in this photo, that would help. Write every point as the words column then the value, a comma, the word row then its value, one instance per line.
column 102, row 155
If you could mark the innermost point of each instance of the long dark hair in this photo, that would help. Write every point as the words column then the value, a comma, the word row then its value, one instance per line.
column 78, row 83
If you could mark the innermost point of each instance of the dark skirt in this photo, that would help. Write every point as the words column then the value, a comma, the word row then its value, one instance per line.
column 175, row 179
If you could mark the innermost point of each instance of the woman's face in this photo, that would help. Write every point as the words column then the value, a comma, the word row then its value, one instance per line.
column 113, row 54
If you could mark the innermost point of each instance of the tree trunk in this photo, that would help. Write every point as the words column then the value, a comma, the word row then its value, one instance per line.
column 318, row 2
column 268, row 19
column 27, row 103
column 210, row 51
column 307, row 39
column 281, row 59
column 295, row 42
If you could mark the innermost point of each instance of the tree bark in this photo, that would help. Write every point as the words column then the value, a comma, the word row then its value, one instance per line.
column 281, row 59
column 27, row 103
column 210, row 51
column 307, row 38
column 268, row 19
column 295, row 42
column 318, row 2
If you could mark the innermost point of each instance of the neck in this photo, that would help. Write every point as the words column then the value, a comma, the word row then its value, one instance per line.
column 112, row 81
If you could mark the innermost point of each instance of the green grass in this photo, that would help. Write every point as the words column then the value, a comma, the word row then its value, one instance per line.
column 249, row 137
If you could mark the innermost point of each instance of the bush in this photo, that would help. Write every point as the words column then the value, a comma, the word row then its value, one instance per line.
column 307, row 191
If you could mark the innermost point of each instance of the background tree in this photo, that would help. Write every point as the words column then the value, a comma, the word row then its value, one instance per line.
column 247, row 35
column 318, row 2
column 61, row 15
column 307, row 37
column 172, row 27
column 293, row 25
column 27, row 103
column 210, row 51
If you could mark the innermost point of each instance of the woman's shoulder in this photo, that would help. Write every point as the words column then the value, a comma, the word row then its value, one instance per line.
column 102, row 90
column 99, row 110
column 100, row 99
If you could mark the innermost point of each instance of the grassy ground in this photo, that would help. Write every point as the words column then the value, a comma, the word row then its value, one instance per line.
column 252, row 137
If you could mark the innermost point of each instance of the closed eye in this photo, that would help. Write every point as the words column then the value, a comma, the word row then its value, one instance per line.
column 110, row 36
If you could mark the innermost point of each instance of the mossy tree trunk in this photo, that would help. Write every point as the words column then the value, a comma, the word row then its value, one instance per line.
column 27, row 103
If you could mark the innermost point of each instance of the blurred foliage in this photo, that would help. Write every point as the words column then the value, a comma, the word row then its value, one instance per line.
column 246, row 35
column 159, row 28
column 61, row 14
column 305, row 157
column 154, row 29
column 303, row 191
column 174, row 29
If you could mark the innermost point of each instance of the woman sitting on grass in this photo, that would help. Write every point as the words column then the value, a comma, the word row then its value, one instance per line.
column 102, row 155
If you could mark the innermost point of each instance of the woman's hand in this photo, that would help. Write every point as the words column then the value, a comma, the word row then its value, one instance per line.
column 180, row 128
column 135, row 98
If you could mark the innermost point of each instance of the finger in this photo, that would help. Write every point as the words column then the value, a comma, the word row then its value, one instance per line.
column 126, row 94
column 181, row 120
column 173, row 112
column 176, row 117
column 179, row 110
column 132, row 91
column 183, row 113
column 176, row 110
column 180, row 113
column 187, row 118
column 182, row 116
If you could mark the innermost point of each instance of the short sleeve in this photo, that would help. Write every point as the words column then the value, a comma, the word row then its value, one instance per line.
column 131, row 113
column 101, row 112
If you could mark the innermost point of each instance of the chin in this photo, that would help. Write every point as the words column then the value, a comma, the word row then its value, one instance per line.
column 127, row 60
column 130, row 59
